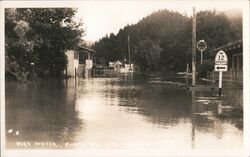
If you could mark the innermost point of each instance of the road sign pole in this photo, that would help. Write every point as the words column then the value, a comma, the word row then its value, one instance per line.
column 201, row 57
column 220, row 82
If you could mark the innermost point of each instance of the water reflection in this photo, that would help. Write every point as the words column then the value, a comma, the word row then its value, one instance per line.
column 130, row 111
column 210, row 131
column 42, row 112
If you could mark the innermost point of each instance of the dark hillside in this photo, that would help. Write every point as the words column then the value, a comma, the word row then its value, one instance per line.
column 162, row 40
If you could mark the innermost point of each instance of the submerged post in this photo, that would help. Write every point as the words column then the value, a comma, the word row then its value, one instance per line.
column 129, row 54
column 220, row 82
column 194, row 48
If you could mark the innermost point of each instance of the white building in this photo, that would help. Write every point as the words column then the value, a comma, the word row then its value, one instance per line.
column 74, row 68
column 116, row 65
column 73, row 63
column 127, row 68
column 121, row 67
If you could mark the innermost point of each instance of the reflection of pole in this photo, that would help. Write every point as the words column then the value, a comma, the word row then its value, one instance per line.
column 194, row 48
column 66, row 72
column 193, row 119
column 33, row 72
column 187, row 70
column 75, row 77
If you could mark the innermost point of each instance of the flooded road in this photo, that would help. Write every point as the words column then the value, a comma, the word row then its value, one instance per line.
column 139, row 111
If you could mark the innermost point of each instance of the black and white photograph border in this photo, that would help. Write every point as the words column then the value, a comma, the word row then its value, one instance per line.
column 96, row 87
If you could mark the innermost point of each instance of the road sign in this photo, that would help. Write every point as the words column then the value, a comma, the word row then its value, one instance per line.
column 201, row 45
column 220, row 67
column 221, row 58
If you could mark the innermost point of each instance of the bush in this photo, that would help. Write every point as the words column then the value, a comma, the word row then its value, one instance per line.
column 208, row 65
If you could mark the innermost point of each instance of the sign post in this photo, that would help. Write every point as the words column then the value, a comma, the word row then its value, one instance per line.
column 220, row 82
column 201, row 46
column 33, row 70
column 221, row 61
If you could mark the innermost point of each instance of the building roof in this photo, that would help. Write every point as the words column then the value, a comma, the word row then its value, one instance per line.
column 118, row 62
column 85, row 48
column 230, row 46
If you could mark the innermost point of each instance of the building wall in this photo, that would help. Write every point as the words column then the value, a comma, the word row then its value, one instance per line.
column 73, row 63
column 237, row 62
column 88, row 64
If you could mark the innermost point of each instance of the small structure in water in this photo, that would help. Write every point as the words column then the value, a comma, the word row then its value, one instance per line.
column 73, row 63
column 80, row 60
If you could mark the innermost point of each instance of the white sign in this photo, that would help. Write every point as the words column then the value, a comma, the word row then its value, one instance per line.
column 220, row 67
column 221, row 58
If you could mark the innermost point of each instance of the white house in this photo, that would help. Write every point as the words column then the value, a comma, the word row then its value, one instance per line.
column 121, row 67
column 116, row 65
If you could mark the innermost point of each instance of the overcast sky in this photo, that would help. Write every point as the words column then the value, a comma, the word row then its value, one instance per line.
column 104, row 17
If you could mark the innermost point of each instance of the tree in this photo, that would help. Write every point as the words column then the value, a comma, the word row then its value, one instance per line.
column 163, row 40
column 214, row 28
column 40, row 35
column 147, row 54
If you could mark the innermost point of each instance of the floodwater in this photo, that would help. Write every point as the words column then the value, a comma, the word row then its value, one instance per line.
column 139, row 111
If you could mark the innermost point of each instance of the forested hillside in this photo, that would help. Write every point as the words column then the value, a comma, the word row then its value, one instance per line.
column 162, row 40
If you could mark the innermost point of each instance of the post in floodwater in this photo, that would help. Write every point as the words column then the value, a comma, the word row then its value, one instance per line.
column 220, row 82
column 33, row 70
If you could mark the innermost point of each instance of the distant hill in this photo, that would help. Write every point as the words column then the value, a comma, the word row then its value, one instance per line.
column 162, row 40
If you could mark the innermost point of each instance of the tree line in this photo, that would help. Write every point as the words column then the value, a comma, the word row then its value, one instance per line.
column 163, row 40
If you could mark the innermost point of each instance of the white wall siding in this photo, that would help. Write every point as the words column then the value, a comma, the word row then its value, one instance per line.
column 72, row 63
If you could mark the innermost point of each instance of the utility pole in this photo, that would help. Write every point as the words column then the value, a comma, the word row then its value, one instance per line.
column 129, row 54
column 194, row 48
